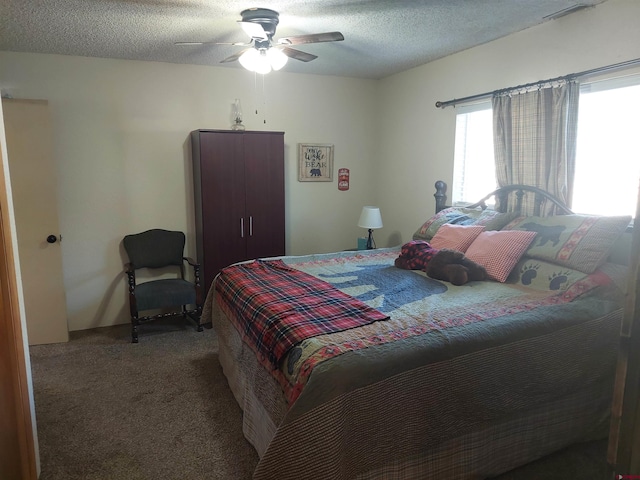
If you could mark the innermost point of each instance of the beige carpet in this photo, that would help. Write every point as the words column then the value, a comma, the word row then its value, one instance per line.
column 161, row 410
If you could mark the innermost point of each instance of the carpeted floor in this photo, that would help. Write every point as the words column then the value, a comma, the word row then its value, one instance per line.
column 161, row 410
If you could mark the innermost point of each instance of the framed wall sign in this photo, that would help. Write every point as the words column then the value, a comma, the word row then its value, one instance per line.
column 315, row 162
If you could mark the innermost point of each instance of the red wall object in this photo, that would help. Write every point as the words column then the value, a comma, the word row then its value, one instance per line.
column 343, row 179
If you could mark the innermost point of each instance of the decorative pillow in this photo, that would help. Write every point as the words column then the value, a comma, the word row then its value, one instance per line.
column 498, row 252
column 456, row 237
column 620, row 253
column 582, row 242
column 490, row 219
column 542, row 275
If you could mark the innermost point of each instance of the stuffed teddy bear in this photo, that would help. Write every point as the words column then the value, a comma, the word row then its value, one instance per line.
column 452, row 266
column 442, row 264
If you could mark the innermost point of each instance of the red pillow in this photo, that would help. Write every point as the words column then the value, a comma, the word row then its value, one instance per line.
column 499, row 251
column 456, row 237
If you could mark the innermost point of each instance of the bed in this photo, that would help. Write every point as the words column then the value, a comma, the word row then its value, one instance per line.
column 425, row 379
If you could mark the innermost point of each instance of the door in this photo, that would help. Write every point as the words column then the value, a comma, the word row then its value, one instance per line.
column 30, row 157
column 264, row 174
column 221, row 180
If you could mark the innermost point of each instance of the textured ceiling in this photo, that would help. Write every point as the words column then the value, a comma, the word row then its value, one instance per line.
column 382, row 37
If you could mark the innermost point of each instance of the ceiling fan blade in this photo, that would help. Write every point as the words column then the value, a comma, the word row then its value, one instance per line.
column 312, row 38
column 254, row 30
column 298, row 55
column 234, row 57
column 237, row 44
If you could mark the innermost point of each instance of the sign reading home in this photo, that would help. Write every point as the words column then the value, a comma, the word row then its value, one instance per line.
column 315, row 162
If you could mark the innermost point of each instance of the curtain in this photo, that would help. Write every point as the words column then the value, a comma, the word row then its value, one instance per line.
column 535, row 134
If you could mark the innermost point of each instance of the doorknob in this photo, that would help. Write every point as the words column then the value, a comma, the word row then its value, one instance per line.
column 53, row 239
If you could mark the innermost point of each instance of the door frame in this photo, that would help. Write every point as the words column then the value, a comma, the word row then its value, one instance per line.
column 18, row 457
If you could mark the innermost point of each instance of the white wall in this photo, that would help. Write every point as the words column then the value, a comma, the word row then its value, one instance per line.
column 418, row 138
column 121, row 133
column 121, row 139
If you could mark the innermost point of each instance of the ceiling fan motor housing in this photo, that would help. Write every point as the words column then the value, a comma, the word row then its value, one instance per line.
column 268, row 19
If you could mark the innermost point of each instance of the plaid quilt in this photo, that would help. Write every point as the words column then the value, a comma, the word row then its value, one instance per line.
column 278, row 306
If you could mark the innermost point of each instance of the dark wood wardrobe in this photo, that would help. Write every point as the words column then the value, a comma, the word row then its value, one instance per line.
column 239, row 197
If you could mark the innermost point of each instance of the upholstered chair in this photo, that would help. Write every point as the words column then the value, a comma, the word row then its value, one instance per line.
column 161, row 250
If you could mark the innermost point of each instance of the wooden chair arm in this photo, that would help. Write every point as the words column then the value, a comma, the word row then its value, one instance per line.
column 191, row 261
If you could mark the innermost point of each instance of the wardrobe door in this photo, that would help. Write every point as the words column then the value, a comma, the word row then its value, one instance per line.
column 222, row 201
column 264, row 186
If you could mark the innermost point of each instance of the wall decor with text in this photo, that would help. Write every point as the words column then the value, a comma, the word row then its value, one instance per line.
column 315, row 162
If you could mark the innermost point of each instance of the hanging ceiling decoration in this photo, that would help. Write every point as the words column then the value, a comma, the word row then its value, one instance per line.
column 262, row 54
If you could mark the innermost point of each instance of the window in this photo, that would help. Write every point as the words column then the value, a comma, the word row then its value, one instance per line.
column 607, row 150
column 474, row 165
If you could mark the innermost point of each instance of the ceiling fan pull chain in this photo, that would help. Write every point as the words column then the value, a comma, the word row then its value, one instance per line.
column 264, row 100
column 255, row 91
column 256, row 94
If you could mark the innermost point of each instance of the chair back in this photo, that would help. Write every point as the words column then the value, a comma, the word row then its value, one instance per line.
column 155, row 248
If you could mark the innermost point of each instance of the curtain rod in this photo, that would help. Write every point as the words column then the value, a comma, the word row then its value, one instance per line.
column 615, row 66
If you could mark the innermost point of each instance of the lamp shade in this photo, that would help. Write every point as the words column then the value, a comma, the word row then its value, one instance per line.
column 370, row 218
column 255, row 61
column 263, row 60
column 277, row 58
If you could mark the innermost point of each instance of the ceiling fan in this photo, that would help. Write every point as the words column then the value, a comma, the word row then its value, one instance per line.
column 263, row 54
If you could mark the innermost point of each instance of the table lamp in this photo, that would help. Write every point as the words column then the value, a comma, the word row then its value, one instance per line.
column 371, row 219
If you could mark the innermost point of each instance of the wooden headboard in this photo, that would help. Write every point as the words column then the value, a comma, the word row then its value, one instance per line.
column 502, row 198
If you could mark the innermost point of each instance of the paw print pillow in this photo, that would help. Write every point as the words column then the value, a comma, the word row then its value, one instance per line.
column 541, row 275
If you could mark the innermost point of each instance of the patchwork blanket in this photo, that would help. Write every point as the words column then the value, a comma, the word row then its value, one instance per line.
column 423, row 320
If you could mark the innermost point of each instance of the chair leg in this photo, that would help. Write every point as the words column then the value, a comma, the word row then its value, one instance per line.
column 134, row 330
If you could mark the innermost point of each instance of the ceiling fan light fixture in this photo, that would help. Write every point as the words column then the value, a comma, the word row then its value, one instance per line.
column 263, row 60
column 262, row 64
column 247, row 59
column 255, row 61
column 277, row 58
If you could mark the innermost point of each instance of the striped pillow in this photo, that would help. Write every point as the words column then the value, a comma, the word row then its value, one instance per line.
column 499, row 251
column 456, row 237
